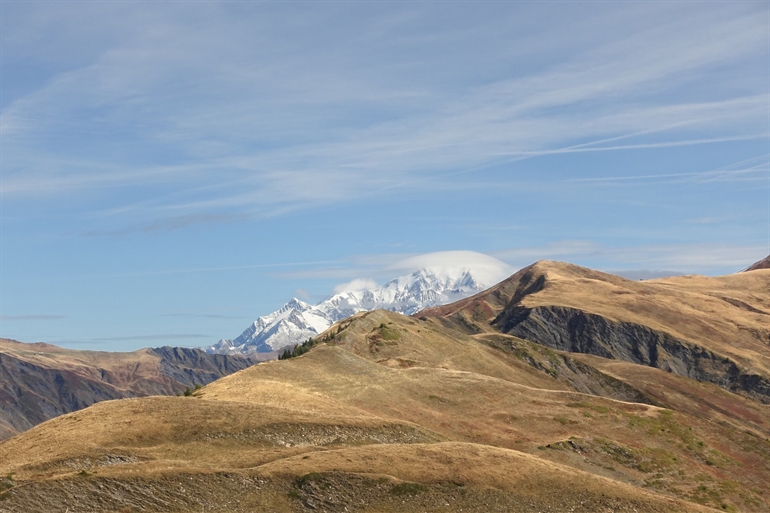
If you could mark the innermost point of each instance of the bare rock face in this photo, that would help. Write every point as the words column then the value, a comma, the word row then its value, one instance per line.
column 563, row 367
column 569, row 329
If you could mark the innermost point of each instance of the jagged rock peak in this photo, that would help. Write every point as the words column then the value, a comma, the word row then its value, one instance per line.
column 297, row 321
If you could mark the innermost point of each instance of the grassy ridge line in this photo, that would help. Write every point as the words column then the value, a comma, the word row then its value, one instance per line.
column 700, row 309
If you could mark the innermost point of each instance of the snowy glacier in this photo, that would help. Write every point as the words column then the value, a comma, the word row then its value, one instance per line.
column 297, row 321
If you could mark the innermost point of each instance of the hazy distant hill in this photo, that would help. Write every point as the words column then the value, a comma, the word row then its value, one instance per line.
column 41, row 381
column 448, row 411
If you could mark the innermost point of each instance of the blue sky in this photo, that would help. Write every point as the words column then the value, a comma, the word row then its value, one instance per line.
column 172, row 170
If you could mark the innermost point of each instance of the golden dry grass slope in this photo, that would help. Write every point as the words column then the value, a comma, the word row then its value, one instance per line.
column 396, row 414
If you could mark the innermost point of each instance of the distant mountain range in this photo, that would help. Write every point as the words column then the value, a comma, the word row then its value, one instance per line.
column 41, row 381
column 297, row 321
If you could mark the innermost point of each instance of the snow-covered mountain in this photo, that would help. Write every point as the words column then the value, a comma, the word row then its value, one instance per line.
column 297, row 321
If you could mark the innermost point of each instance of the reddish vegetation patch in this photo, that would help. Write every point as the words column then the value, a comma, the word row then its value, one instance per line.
column 482, row 309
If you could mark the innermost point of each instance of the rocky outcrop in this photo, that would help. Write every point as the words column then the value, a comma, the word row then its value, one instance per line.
column 573, row 330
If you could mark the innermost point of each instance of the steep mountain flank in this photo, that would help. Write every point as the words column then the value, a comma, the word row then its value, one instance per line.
column 709, row 329
column 573, row 330
column 762, row 264
column 41, row 381
column 563, row 367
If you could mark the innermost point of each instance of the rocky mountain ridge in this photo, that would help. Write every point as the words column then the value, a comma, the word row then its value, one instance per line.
column 715, row 330
column 297, row 321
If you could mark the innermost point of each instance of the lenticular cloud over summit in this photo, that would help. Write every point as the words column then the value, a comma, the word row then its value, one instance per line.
column 355, row 285
column 487, row 270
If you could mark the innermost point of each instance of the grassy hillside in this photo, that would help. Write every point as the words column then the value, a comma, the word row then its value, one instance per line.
column 391, row 413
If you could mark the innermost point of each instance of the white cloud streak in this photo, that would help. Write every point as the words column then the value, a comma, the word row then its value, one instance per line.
column 755, row 168
column 196, row 270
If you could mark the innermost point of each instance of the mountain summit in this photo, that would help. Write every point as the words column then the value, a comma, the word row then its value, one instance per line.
column 297, row 321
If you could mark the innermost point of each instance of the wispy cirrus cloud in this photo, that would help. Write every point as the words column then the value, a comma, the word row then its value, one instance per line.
column 32, row 317
column 753, row 169
column 567, row 249
column 204, row 315
column 662, row 259
column 196, row 270
column 689, row 258
column 220, row 149
column 268, row 137
column 162, row 336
